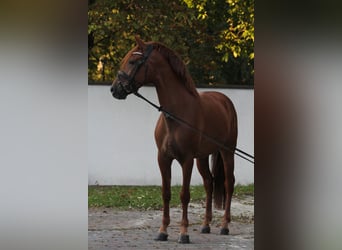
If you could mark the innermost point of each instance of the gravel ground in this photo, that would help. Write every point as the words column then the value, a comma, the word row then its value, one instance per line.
column 115, row 229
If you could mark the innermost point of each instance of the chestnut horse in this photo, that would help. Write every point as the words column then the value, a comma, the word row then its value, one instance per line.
column 210, row 112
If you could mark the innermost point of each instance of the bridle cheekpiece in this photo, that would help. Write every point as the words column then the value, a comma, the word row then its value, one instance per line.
column 128, row 82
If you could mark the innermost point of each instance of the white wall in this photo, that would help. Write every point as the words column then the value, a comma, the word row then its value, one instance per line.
column 121, row 147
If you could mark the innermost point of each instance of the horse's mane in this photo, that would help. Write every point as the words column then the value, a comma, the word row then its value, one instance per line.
column 177, row 65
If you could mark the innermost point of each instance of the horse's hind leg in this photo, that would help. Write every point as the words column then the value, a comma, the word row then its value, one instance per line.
column 165, row 170
column 228, row 162
column 203, row 168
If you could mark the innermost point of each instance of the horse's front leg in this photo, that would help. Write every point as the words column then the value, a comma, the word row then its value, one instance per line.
column 165, row 170
column 185, row 198
column 203, row 168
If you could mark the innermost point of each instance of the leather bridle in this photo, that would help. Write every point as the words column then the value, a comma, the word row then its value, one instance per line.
column 128, row 82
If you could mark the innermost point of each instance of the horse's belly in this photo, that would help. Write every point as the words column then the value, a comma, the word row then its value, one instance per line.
column 205, row 149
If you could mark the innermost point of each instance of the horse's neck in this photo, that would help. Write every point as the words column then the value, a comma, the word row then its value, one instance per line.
column 173, row 95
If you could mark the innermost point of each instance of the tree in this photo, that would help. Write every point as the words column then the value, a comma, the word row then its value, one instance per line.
column 214, row 38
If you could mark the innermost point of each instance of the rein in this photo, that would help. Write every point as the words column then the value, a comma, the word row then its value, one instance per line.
column 167, row 114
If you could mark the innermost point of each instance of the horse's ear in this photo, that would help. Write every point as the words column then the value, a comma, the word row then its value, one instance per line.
column 140, row 42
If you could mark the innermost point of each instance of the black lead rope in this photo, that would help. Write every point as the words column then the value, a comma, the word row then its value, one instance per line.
column 237, row 151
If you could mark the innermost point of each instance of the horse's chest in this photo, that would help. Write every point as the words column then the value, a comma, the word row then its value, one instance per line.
column 175, row 141
column 177, row 148
column 170, row 147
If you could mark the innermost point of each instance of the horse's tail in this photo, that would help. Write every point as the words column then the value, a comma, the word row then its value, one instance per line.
column 217, row 171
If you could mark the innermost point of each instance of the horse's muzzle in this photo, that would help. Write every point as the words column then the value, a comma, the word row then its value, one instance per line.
column 118, row 91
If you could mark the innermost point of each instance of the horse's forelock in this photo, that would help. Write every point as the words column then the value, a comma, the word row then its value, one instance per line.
column 127, row 56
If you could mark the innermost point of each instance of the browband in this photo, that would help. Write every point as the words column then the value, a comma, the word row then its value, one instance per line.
column 137, row 53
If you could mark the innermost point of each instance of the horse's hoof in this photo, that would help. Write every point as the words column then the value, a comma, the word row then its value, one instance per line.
column 224, row 231
column 205, row 230
column 161, row 237
column 184, row 239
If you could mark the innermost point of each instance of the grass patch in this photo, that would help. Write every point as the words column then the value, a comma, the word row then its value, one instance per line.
column 240, row 190
column 147, row 197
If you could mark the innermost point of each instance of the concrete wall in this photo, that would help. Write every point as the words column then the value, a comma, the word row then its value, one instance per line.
column 121, row 147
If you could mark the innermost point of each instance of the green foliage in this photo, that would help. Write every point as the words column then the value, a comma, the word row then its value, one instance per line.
column 214, row 38
column 147, row 197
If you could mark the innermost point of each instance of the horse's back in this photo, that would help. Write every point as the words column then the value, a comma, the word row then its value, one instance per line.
column 216, row 97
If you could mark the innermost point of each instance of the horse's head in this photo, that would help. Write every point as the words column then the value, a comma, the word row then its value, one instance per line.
column 133, row 71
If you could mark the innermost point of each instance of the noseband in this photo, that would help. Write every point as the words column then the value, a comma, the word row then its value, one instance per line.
column 127, row 82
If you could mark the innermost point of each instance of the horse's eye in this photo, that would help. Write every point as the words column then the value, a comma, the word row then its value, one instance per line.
column 132, row 62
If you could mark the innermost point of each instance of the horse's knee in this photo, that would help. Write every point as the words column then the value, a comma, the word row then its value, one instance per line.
column 166, row 196
column 185, row 197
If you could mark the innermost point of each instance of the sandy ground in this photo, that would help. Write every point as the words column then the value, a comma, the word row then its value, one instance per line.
column 115, row 229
